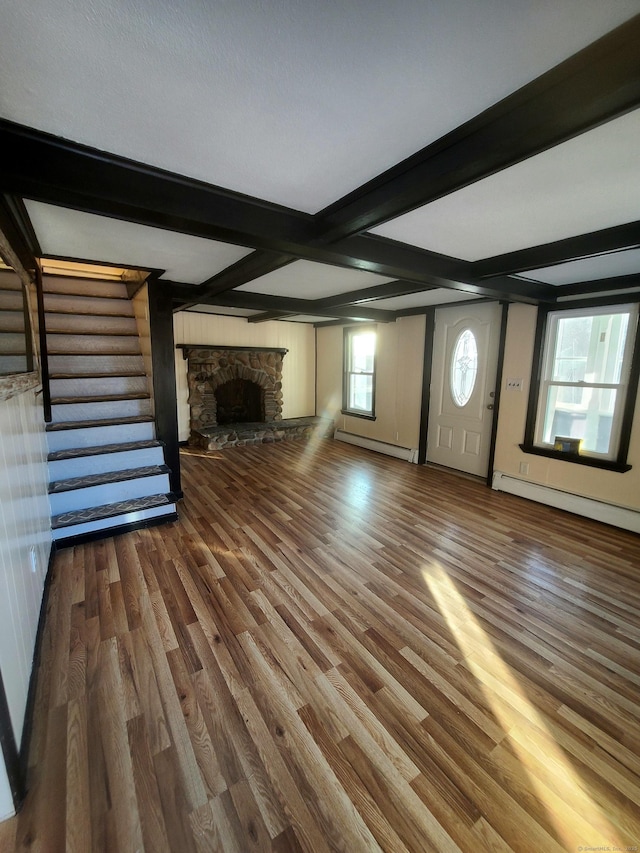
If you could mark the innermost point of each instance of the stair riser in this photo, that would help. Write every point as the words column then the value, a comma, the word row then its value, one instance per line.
column 10, row 301
column 80, row 324
column 106, row 524
column 54, row 302
column 108, row 493
column 11, row 321
column 11, row 343
column 12, row 364
column 99, row 411
column 95, row 436
column 82, row 364
column 62, row 469
column 96, row 387
column 84, row 287
column 127, row 345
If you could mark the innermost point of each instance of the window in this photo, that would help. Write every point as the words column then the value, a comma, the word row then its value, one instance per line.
column 464, row 368
column 358, row 396
column 586, row 392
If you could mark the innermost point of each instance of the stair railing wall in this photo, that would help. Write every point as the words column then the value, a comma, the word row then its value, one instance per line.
column 44, row 354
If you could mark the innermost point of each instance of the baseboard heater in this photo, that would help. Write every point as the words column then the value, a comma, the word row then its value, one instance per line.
column 618, row 516
column 409, row 454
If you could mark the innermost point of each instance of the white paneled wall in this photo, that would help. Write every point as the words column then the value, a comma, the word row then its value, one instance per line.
column 298, row 370
column 25, row 542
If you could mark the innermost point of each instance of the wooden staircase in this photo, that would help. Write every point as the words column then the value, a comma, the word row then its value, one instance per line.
column 106, row 467
column 13, row 355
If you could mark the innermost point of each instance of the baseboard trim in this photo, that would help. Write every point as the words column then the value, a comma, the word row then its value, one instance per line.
column 409, row 454
column 618, row 516
column 27, row 728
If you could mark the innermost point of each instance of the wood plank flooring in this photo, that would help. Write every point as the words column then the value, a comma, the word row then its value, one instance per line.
column 334, row 650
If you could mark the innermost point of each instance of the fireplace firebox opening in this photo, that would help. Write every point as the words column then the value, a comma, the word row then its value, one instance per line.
column 239, row 401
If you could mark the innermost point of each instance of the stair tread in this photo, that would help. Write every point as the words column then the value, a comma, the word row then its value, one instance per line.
column 124, row 375
column 57, row 291
column 107, row 352
column 86, row 313
column 102, row 422
column 104, row 398
column 92, row 333
column 80, row 516
column 106, row 478
column 123, row 447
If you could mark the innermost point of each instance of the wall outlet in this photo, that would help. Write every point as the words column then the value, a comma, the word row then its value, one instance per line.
column 524, row 467
column 514, row 384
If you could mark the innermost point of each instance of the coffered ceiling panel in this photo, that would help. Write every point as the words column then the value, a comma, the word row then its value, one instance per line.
column 71, row 233
column 421, row 300
column 590, row 269
column 310, row 280
column 579, row 186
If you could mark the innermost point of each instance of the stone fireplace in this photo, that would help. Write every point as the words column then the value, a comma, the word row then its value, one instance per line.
column 235, row 398
column 230, row 385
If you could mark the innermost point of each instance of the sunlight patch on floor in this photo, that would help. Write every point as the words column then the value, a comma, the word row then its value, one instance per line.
column 577, row 818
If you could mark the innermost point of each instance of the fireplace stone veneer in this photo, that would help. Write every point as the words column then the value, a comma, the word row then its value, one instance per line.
column 212, row 366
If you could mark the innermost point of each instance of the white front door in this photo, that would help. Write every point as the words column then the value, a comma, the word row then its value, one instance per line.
column 465, row 358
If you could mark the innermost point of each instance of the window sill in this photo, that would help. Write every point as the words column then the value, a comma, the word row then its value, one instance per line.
column 577, row 459
column 362, row 415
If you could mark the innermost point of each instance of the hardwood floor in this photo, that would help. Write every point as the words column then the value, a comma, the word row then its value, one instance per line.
column 334, row 650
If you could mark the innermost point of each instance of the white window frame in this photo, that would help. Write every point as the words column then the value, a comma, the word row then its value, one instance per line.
column 622, row 387
column 348, row 372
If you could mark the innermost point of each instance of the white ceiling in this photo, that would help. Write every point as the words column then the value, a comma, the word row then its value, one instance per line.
column 299, row 102
column 294, row 101
column 421, row 300
column 75, row 234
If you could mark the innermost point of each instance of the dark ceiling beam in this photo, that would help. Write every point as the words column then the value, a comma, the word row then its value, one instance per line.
column 378, row 291
column 600, row 285
column 287, row 305
column 270, row 315
column 422, row 309
column 48, row 169
column 246, row 269
column 602, row 242
column 598, row 83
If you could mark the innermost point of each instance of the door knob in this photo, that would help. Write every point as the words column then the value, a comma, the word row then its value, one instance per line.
column 490, row 406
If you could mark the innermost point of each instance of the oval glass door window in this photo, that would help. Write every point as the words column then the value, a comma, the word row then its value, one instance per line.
column 464, row 368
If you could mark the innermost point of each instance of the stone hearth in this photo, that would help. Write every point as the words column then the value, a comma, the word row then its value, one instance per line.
column 234, row 435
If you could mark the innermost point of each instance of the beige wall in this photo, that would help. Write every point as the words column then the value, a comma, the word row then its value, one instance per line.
column 400, row 352
column 618, row 489
column 298, row 369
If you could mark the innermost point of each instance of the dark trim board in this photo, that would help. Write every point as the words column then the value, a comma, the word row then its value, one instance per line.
column 497, row 390
column 13, row 764
column 219, row 347
column 164, row 380
column 602, row 242
column 121, row 529
column 427, row 365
